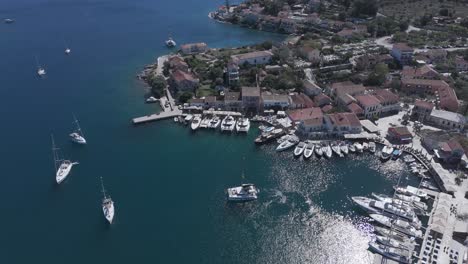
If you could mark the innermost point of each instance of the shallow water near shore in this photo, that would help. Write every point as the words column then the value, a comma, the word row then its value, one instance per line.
column 167, row 182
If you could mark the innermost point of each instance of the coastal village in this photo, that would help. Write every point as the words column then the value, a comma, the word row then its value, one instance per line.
column 350, row 77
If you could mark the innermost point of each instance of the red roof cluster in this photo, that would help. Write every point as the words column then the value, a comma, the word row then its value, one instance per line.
column 305, row 114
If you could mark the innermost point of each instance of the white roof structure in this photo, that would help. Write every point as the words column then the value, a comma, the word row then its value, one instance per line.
column 447, row 115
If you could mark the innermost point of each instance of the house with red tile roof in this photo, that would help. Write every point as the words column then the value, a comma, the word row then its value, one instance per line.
column 322, row 99
column 356, row 109
column 304, row 114
column 424, row 72
column 370, row 104
column 343, row 92
column 253, row 58
column 461, row 64
column 450, row 151
column 421, row 86
column 183, row 81
column 447, row 99
column 390, row 102
column 339, row 124
column 194, row 48
column 402, row 53
column 177, row 63
column 399, row 135
column 421, row 110
column 301, row 101
column 326, row 108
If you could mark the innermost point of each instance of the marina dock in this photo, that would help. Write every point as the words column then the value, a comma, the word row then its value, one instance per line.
column 156, row 117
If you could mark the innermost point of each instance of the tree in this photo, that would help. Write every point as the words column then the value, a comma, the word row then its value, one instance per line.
column 158, row 84
column 444, row 12
column 378, row 76
column 214, row 73
column 364, row 8
column 184, row 97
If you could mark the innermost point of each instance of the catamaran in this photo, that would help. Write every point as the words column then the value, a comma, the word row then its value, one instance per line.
column 228, row 123
column 77, row 136
column 244, row 193
column 62, row 166
column 243, row 125
column 107, row 205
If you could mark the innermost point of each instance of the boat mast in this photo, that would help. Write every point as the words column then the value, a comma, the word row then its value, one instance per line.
column 54, row 152
column 103, row 190
column 78, row 128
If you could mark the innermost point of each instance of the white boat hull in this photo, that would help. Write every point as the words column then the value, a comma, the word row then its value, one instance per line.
column 63, row 171
column 76, row 138
column 108, row 211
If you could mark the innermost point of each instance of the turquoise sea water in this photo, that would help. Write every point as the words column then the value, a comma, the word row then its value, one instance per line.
column 167, row 183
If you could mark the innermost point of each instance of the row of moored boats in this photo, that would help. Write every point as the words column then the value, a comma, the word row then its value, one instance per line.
column 227, row 123
column 397, row 221
column 308, row 148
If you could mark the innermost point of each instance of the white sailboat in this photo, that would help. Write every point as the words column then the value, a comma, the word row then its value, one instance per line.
column 62, row 167
column 77, row 136
column 67, row 48
column 40, row 70
column 107, row 205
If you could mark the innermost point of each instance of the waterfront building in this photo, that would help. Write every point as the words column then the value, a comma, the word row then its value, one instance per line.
column 193, row 48
column 370, row 104
column 339, row 124
column 421, row 110
column 399, row 135
column 343, row 92
column 275, row 101
column 196, row 102
column 450, row 151
column 253, row 58
column 421, row 86
column 251, row 98
column 447, row 120
column 232, row 101
column 402, row 53
column 299, row 115
column 183, row 81
column 389, row 102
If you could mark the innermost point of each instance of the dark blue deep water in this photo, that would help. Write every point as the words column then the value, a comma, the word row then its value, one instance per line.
column 167, row 183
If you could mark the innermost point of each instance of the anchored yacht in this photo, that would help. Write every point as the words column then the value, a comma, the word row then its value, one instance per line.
column 228, row 124
column 244, row 193
column 77, row 136
column 214, row 123
column 107, row 205
column 62, row 166
column 170, row 43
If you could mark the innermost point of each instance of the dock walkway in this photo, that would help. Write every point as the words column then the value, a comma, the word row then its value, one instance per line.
column 155, row 117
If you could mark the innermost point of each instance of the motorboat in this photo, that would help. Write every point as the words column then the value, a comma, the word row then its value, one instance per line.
column 67, row 51
column 410, row 190
column 244, row 193
column 358, row 146
column 41, row 71
column 309, row 150
column 195, row 124
column 365, row 146
column 395, row 254
column 299, row 149
column 318, row 150
column 409, row 159
column 390, row 242
column 214, row 122
column 151, row 99
column 62, row 166
column 386, row 153
column 290, row 142
column 188, row 118
column 170, row 43
column 77, row 135
column 176, row 119
column 391, row 233
column 328, row 151
column 372, row 147
column 336, row 148
column 388, row 208
column 396, row 154
column 352, row 148
column 228, row 124
column 429, row 185
column 399, row 225
column 269, row 136
column 107, row 205
column 419, row 208
column 8, row 21
column 243, row 125
column 344, row 149
column 205, row 122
